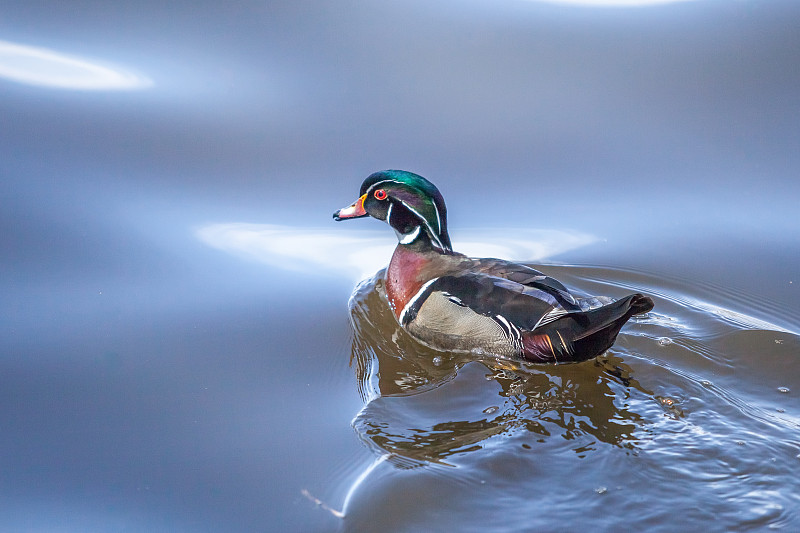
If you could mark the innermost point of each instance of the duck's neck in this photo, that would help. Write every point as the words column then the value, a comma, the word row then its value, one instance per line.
column 408, row 271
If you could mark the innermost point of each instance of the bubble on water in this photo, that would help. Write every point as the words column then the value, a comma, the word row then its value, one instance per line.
column 668, row 402
column 664, row 341
column 490, row 410
column 437, row 361
column 783, row 389
column 601, row 490
column 671, row 406
column 705, row 383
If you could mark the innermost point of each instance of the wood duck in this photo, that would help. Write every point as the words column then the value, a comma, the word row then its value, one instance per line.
column 452, row 302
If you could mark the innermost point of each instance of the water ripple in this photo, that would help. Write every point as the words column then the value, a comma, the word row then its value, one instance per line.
column 686, row 412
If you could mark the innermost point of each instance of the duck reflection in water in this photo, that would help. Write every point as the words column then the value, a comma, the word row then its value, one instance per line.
column 459, row 412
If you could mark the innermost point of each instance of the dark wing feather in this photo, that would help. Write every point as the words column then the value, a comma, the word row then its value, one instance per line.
column 542, row 321
column 529, row 277
column 521, row 305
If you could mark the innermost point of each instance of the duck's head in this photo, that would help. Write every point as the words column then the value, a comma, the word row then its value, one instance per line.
column 409, row 203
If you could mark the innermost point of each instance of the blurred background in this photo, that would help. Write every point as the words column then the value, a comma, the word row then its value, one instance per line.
column 149, row 380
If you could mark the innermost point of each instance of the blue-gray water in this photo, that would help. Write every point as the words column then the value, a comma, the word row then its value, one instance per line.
column 179, row 349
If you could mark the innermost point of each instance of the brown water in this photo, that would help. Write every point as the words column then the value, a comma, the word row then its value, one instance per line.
column 691, row 410
column 181, row 346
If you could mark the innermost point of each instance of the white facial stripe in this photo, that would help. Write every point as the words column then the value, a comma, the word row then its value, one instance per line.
column 383, row 181
column 416, row 297
column 433, row 234
column 389, row 214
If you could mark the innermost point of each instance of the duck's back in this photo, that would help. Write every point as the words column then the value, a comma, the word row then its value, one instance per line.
column 510, row 310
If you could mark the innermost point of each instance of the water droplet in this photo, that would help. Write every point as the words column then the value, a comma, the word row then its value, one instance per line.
column 705, row 383
column 780, row 410
column 437, row 361
column 741, row 442
column 490, row 410
column 783, row 389
column 664, row 341
column 601, row 490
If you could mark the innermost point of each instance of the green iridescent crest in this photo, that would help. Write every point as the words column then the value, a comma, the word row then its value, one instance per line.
column 414, row 202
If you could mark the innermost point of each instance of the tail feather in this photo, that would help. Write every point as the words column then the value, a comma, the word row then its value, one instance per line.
column 605, row 323
column 615, row 312
column 584, row 335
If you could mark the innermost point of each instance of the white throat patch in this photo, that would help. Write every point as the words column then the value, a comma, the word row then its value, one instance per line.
column 408, row 238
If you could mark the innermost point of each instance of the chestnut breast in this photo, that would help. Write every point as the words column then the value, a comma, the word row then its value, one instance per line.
column 409, row 270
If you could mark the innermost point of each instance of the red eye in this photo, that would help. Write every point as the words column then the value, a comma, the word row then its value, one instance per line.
column 380, row 194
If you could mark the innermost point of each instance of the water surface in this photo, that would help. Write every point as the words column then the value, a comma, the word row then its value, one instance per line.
column 181, row 346
column 692, row 400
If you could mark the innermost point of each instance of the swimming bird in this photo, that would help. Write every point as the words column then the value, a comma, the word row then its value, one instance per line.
column 452, row 302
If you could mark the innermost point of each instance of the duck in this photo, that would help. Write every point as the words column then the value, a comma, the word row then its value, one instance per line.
column 455, row 303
